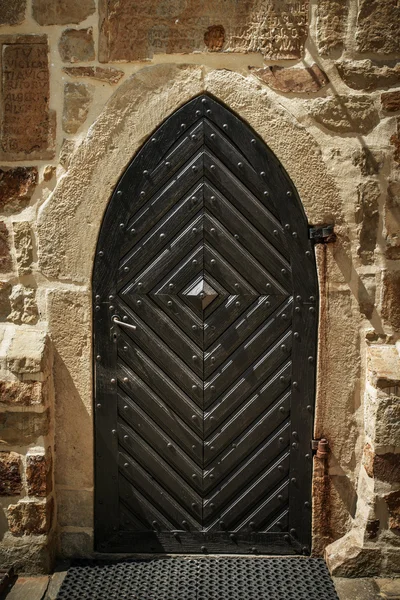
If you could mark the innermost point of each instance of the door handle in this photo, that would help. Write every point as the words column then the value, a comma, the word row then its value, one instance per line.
column 118, row 322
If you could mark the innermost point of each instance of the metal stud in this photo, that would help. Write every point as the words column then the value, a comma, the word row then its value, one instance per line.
column 111, row 307
column 281, row 440
column 98, row 405
column 312, row 299
column 194, row 168
column 169, row 445
column 240, row 165
column 294, row 234
column 212, row 261
column 125, row 348
column 212, row 167
column 194, row 387
column 212, row 388
column 282, row 409
column 162, row 236
column 142, row 193
column 282, row 379
column 310, row 359
column 145, row 172
column 125, row 318
column 194, row 261
column 126, row 380
column 126, row 269
column 126, row 437
column 266, row 193
column 97, row 307
column 283, row 315
column 194, row 137
column 212, row 230
column 194, row 327
column 283, row 271
column 198, row 112
column 280, row 497
column 133, row 230
column 98, row 357
column 293, row 480
column 112, row 380
column 296, row 335
column 183, row 125
column 122, row 225
column 212, row 136
column 295, row 384
column 225, row 126
column 138, row 302
column 288, row 193
column 253, row 141
column 275, row 232
column 283, row 347
column 169, row 303
column 208, row 112
column 101, row 253
column 119, row 193
column 194, row 357
column 262, row 173
column 171, row 286
column 308, row 253
column 311, row 309
column 287, row 226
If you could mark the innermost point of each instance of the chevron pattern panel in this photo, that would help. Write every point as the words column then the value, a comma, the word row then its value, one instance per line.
column 200, row 314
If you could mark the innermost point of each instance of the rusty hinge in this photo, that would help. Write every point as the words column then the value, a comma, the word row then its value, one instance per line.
column 322, row 234
column 321, row 447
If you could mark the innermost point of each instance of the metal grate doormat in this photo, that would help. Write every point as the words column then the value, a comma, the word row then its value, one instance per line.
column 200, row 579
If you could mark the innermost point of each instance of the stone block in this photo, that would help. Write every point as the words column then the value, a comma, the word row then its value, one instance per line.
column 378, row 26
column 345, row 114
column 5, row 255
column 10, row 474
column 391, row 221
column 74, row 508
column 331, row 25
column 385, row 467
column 76, row 544
column 370, row 162
column 5, row 305
column 346, row 558
column 12, row 12
column 68, row 147
column 30, row 518
column 23, row 305
column 369, row 75
column 387, row 423
column 62, row 12
column 383, row 365
column 280, row 33
column 22, row 393
column 23, row 246
column 77, row 45
column 395, row 142
column 16, row 187
column 393, row 569
column 390, row 299
column 393, row 504
column 22, row 428
column 289, row 79
column 27, row 124
column 29, row 588
column 105, row 74
column 39, row 475
column 69, row 321
column 391, row 101
column 355, row 589
column 389, row 589
column 77, row 99
column 367, row 219
column 27, row 554
column 29, row 352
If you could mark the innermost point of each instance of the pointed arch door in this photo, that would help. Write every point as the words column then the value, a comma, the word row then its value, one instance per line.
column 205, row 319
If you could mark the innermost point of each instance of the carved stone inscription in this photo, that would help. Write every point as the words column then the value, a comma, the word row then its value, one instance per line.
column 25, row 117
column 137, row 29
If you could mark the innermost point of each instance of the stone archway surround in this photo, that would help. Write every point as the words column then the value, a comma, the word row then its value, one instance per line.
column 68, row 227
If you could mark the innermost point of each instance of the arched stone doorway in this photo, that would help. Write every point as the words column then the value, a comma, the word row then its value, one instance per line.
column 205, row 322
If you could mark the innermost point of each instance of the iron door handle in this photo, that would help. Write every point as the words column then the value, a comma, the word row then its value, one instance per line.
column 118, row 322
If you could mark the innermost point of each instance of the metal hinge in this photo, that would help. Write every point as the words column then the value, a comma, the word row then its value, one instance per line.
column 322, row 234
column 320, row 447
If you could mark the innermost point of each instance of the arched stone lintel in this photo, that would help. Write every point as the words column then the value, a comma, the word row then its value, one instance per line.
column 69, row 222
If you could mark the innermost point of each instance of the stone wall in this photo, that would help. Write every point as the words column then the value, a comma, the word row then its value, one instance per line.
column 83, row 84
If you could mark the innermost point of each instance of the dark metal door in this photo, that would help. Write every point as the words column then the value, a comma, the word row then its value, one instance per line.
column 205, row 316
